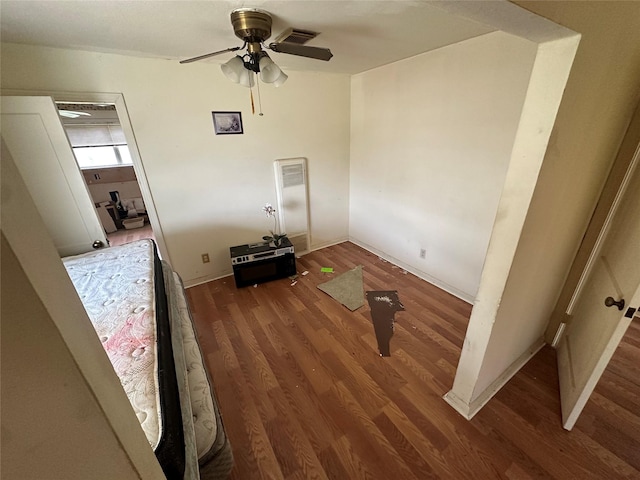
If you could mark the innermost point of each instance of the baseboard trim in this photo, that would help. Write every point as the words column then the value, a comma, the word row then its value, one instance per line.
column 447, row 288
column 206, row 279
column 320, row 246
column 458, row 405
column 418, row 273
column 468, row 410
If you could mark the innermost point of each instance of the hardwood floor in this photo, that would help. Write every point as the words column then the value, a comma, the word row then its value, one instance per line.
column 122, row 236
column 305, row 395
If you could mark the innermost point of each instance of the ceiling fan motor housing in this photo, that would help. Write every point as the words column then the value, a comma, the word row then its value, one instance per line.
column 253, row 27
column 251, row 24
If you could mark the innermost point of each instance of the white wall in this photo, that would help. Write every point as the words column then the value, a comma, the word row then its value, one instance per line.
column 209, row 190
column 431, row 138
column 474, row 384
column 598, row 100
column 601, row 94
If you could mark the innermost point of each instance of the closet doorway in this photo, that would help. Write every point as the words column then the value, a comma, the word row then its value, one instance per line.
column 104, row 159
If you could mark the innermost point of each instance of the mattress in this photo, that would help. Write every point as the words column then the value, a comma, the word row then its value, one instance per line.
column 123, row 291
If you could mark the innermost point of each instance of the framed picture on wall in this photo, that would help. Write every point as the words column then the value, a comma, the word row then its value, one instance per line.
column 227, row 123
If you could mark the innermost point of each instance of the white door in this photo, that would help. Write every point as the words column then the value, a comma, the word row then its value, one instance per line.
column 35, row 137
column 595, row 330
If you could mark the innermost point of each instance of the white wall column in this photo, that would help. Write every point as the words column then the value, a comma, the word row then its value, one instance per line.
column 476, row 379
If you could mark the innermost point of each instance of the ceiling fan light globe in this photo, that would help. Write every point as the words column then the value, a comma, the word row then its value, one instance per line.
column 246, row 78
column 265, row 61
column 233, row 69
column 281, row 79
column 269, row 71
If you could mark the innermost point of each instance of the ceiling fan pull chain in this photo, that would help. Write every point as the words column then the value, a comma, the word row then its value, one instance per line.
column 253, row 108
column 259, row 97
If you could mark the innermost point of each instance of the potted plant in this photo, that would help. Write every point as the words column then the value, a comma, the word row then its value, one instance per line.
column 275, row 238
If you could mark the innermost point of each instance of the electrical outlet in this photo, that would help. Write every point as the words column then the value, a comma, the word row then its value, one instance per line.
column 423, row 253
column 205, row 258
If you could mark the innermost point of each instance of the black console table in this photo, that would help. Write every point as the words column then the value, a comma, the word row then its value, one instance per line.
column 261, row 262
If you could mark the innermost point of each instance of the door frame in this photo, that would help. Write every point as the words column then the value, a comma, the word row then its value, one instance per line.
column 604, row 231
column 116, row 99
column 576, row 276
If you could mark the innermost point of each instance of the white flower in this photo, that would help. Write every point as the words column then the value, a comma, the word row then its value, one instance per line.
column 275, row 236
column 269, row 210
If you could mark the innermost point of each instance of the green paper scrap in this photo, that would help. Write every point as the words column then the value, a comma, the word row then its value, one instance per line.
column 326, row 270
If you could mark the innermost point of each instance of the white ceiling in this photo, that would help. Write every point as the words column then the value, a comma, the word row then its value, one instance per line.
column 362, row 34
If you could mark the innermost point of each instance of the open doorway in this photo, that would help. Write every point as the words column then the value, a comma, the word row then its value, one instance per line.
column 104, row 159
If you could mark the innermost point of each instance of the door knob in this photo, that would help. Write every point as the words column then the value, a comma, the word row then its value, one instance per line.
column 610, row 302
column 98, row 244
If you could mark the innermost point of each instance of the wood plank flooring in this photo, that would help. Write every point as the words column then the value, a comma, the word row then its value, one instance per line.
column 305, row 395
column 122, row 236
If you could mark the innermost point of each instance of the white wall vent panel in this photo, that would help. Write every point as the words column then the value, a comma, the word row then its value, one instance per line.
column 292, row 175
column 293, row 201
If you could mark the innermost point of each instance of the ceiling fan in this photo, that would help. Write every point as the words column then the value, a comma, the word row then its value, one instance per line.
column 253, row 27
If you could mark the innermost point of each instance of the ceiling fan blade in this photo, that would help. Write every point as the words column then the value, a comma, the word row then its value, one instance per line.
column 202, row 57
column 302, row 50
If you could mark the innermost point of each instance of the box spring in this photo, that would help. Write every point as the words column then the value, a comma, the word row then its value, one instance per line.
column 214, row 451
